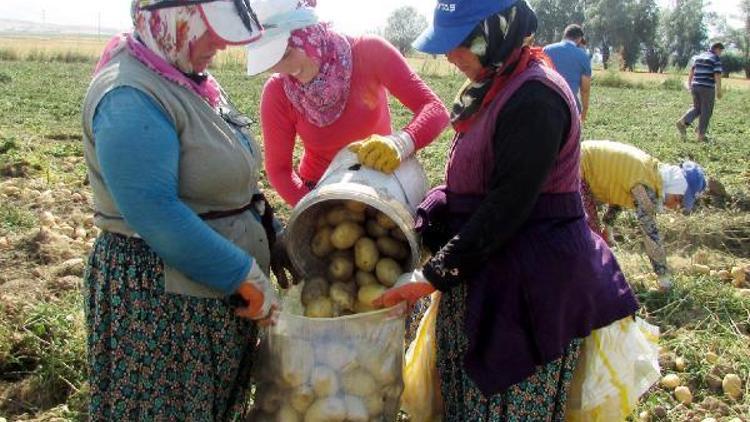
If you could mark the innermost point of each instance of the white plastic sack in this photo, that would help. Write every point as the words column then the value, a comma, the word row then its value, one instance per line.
column 331, row 369
column 618, row 364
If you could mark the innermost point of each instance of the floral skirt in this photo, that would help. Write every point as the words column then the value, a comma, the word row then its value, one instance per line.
column 540, row 397
column 159, row 356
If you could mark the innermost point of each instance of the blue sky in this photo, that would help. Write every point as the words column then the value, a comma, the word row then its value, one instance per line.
column 351, row 16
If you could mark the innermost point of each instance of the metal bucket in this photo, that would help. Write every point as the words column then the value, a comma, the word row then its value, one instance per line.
column 396, row 195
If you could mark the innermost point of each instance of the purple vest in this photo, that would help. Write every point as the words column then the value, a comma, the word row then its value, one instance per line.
column 553, row 281
column 466, row 174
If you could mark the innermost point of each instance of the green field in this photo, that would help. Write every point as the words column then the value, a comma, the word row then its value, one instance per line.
column 42, row 352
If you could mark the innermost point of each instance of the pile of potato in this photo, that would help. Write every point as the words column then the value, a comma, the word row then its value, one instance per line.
column 364, row 253
column 340, row 371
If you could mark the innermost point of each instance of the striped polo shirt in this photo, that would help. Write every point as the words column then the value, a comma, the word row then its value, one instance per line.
column 705, row 66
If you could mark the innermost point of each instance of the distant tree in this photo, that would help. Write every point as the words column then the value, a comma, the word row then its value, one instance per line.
column 686, row 31
column 403, row 27
column 554, row 16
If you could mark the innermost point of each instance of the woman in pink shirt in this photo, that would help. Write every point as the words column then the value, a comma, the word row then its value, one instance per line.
column 330, row 91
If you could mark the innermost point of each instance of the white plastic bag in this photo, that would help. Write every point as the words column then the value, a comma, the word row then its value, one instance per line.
column 422, row 398
column 617, row 365
column 331, row 369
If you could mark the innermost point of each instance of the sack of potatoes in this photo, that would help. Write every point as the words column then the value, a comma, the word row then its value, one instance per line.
column 333, row 370
column 362, row 252
column 339, row 359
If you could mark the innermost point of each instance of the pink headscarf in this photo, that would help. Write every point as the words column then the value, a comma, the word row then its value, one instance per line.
column 164, row 40
column 323, row 99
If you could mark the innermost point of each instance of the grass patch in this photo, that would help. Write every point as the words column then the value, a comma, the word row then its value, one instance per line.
column 613, row 79
column 48, row 352
column 14, row 219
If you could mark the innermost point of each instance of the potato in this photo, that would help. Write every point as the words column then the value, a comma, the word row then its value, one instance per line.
column 341, row 268
column 701, row 269
column 384, row 221
column 314, row 289
column 367, row 294
column 363, row 278
column 671, row 381
column 346, row 234
column 343, row 295
column 324, row 381
column 387, row 271
column 330, row 409
column 732, row 386
column 321, row 307
column 287, row 414
column 683, row 395
column 356, row 411
column 321, row 245
column 302, row 397
column 374, row 229
column 374, row 405
column 336, row 356
column 321, row 222
column 398, row 235
column 337, row 215
column 296, row 360
column 269, row 399
column 356, row 206
column 680, row 364
column 366, row 254
column 361, row 307
column 358, row 383
column 392, row 248
column 385, row 368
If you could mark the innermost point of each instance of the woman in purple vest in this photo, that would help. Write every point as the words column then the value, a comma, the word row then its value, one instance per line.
column 523, row 278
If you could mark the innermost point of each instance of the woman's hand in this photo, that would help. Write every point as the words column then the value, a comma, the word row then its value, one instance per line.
column 260, row 298
column 281, row 264
column 409, row 288
column 384, row 153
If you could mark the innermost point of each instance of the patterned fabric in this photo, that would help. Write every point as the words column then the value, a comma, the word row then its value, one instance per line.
column 646, row 202
column 162, row 40
column 159, row 356
column 541, row 397
column 323, row 99
column 497, row 42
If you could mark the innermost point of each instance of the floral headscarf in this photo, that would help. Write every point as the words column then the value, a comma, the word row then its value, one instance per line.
column 162, row 40
column 323, row 99
column 499, row 43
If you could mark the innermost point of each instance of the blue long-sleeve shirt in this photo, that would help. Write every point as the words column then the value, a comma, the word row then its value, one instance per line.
column 138, row 150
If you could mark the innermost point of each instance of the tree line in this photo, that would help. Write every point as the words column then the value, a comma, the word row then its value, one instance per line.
column 624, row 32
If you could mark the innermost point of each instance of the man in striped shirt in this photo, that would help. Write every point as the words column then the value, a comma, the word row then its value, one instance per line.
column 705, row 85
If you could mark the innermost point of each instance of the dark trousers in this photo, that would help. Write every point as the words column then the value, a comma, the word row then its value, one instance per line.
column 703, row 107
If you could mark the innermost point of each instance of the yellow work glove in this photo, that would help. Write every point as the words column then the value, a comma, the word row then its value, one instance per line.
column 384, row 153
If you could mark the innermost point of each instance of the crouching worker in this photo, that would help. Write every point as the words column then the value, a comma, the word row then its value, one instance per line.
column 623, row 176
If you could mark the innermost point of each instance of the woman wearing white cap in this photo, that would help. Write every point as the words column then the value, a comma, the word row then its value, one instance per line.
column 625, row 177
column 331, row 91
column 185, row 231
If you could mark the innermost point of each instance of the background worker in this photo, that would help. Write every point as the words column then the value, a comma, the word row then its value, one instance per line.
column 572, row 62
column 623, row 176
column 704, row 81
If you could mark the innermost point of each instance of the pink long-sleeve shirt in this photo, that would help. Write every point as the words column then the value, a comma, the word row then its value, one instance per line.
column 377, row 68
